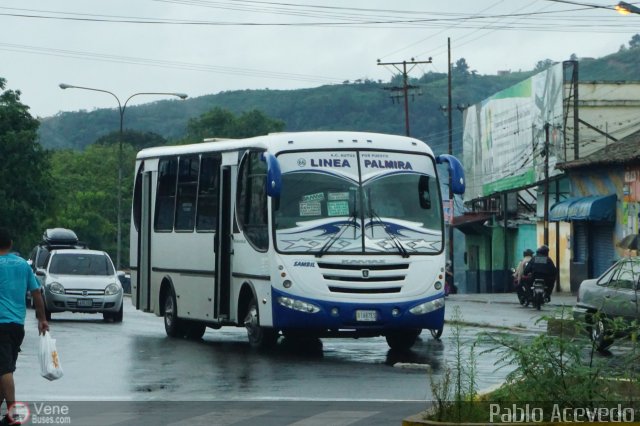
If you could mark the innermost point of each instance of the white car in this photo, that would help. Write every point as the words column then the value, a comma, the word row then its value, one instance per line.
column 81, row 281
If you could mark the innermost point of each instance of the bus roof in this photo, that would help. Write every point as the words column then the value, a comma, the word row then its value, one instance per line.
column 277, row 142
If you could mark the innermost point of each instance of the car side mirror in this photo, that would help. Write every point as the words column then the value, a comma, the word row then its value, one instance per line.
column 41, row 272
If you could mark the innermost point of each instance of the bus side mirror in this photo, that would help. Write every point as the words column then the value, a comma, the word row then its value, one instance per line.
column 274, row 175
column 456, row 172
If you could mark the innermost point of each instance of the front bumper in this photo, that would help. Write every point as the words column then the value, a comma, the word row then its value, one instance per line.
column 88, row 304
column 344, row 315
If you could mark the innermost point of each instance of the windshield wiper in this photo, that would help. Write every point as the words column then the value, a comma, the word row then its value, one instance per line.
column 353, row 219
column 403, row 251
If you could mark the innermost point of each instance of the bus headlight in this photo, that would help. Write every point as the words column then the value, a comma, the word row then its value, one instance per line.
column 425, row 308
column 438, row 285
column 298, row 305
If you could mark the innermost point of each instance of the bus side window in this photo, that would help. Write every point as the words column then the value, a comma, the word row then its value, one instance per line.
column 166, row 194
column 251, row 204
column 187, row 191
column 209, row 187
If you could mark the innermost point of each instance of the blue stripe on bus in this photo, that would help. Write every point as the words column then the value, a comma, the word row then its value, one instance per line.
column 286, row 318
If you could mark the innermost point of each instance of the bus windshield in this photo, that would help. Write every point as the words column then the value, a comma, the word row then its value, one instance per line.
column 358, row 202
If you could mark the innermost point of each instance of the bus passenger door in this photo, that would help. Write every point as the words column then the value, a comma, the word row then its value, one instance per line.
column 143, row 290
column 223, row 248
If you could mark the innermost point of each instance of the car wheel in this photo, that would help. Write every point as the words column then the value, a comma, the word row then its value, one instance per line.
column 118, row 316
column 259, row 337
column 402, row 340
column 600, row 337
column 195, row 330
column 173, row 326
column 436, row 333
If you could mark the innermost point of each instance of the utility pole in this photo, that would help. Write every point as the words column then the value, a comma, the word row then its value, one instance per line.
column 405, row 85
column 450, row 122
column 546, row 184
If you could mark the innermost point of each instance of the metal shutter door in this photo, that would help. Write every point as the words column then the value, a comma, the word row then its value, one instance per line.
column 603, row 252
column 580, row 242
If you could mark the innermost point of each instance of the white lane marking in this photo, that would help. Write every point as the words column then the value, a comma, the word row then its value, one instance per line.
column 335, row 418
column 222, row 417
column 105, row 419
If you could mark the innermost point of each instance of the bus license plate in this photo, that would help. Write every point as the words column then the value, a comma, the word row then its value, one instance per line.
column 85, row 303
column 366, row 316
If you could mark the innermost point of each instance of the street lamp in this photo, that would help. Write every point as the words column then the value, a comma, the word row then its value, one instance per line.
column 626, row 8
column 121, row 109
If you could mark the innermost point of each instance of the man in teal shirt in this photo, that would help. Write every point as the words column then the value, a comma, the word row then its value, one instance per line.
column 16, row 278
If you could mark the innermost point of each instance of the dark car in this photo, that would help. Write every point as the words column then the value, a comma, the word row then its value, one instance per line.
column 125, row 281
column 613, row 296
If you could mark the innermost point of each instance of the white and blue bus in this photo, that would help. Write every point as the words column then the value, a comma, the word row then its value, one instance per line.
column 314, row 234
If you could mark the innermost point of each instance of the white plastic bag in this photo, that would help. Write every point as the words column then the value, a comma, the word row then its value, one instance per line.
column 50, row 367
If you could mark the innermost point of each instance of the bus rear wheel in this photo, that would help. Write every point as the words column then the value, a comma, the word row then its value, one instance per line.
column 259, row 337
column 402, row 339
column 172, row 324
column 195, row 330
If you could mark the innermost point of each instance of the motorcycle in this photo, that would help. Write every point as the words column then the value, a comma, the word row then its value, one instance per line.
column 523, row 291
column 538, row 293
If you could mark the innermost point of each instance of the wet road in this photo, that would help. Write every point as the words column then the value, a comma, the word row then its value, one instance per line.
column 135, row 361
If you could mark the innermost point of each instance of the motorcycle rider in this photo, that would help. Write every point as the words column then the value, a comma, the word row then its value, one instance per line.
column 526, row 258
column 541, row 267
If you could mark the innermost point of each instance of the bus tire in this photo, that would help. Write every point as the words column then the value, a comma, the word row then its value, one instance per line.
column 402, row 340
column 195, row 330
column 436, row 333
column 259, row 337
column 173, row 326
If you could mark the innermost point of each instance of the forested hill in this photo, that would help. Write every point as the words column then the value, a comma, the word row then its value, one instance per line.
column 362, row 105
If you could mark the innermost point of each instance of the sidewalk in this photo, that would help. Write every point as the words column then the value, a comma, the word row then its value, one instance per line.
column 557, row 299
column 503, row 311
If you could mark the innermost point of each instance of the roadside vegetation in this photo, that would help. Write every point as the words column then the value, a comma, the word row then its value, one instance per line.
column 554, row 371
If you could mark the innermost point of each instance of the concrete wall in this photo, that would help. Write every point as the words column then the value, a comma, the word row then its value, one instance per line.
column 613, row 108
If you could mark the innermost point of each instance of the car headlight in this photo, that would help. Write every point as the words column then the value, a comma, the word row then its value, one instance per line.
column 298, row 305
column 56, row 288
column 425, row 308
column 112, row 289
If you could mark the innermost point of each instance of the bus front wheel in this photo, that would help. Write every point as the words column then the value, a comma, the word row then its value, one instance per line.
column 259, row 337
column 172, row 324
column 402, row 339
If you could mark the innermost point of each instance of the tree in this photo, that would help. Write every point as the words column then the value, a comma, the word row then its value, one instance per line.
column 461, row 67
column 86, row 194
column 634, row 42
column 222, row 123
column 137, row 140
column 573, row 57
column 25, row 183
column 543, row 65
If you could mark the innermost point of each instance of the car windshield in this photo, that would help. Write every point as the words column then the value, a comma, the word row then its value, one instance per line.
column 81, row 264
column 357, row 202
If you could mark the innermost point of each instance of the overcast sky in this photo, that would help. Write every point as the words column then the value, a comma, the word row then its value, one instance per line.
column 201, row 47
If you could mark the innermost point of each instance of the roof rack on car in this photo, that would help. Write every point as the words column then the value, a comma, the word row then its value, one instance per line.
column 54, row 238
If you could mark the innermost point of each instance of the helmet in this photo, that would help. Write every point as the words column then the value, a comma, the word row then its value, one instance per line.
column 528, row 252
column 543, row 250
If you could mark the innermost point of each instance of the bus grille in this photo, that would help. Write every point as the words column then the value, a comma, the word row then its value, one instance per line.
column 376, row 277
column 384, row 290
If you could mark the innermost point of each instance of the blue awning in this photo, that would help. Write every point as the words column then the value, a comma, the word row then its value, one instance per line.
column 594, row 208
